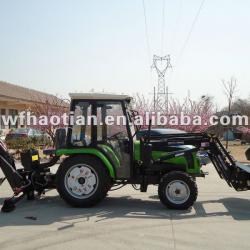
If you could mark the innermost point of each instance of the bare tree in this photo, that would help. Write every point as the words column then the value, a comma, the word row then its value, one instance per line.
column 230, row 88
column 50, row 106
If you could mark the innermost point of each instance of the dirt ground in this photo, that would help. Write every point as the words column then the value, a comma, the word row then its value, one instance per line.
column 238, row 150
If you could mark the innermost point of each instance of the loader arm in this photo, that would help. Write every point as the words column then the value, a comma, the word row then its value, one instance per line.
column 234, row 173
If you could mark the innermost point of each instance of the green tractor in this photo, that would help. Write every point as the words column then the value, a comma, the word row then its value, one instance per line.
column 97, row 158
column 101, row 156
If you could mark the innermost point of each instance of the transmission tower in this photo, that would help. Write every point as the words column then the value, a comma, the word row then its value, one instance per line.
column 161, row 64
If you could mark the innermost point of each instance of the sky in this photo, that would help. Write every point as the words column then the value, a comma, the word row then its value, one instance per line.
column 64, row 46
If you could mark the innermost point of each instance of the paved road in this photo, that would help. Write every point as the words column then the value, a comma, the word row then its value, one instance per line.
column 128, row 219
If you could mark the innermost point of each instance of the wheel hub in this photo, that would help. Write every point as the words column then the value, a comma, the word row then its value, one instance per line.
column 81, row 181
column 177, row 191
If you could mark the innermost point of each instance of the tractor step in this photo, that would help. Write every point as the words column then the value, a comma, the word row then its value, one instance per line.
column 203, row 174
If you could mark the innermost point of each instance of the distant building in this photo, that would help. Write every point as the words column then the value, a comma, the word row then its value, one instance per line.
column 228, row 135
column 232, row 134
column 14, row 99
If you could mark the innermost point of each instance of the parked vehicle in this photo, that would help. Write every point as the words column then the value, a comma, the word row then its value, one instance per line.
column 23, row 133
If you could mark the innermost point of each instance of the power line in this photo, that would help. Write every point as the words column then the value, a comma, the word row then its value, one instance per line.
column 176, row 26
column 146, row 32
column 162, row 27
column 187, row 38
column 190, row 31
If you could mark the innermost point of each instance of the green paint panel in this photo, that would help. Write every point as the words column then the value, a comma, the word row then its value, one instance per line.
column 137, row 154
column 111, row 154
column 180, row 160
column 177, row 160
column 91, row 151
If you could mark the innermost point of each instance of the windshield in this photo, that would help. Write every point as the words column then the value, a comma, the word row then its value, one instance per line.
column 117, row 128
column 81, row 131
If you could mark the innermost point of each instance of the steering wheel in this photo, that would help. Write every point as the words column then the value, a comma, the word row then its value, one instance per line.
column 115, row 136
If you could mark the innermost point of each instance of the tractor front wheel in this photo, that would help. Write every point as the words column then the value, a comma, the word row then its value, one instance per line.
column 177, row 190
column 83, row 181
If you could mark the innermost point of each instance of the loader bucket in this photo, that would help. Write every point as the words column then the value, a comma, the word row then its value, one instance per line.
column 247, row 153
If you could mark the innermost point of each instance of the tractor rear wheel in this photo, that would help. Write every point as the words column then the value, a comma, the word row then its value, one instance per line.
column 177, row 190
column 83, row 181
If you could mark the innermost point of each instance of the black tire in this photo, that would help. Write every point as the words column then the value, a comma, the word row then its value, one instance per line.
column 100, row 190
column 187, row 186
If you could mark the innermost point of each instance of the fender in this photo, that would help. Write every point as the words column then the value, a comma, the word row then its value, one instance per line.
column 90, row 151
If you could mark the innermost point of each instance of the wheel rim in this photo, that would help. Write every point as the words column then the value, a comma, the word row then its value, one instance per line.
column 177, row 192
column 81, row 181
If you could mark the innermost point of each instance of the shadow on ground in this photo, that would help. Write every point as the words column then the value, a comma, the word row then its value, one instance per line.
column 53, row 209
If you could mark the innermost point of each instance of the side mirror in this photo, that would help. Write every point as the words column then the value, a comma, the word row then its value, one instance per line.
column 60, row 138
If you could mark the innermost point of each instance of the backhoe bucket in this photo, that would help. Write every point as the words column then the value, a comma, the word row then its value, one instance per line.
column 8, row 168
column 13, row 177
